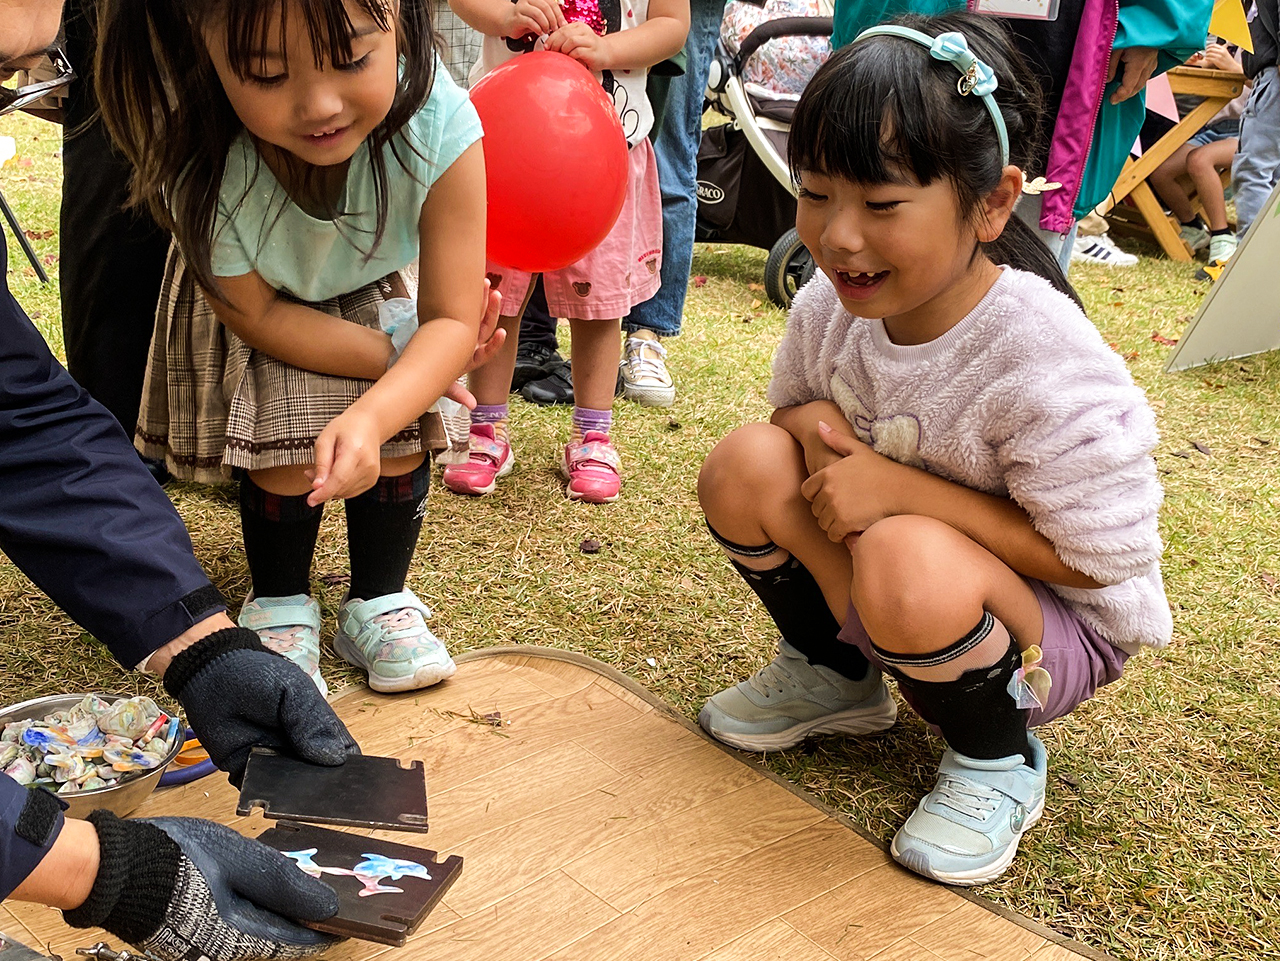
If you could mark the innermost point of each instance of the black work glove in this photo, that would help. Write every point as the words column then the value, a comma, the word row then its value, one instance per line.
column 181, row 888
column 237, row 695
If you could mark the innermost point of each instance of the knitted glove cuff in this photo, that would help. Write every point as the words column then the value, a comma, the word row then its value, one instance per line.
column 187, row 664
column 138, row 865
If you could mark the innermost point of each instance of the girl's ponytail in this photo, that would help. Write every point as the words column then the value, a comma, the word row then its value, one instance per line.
column 1020, row 247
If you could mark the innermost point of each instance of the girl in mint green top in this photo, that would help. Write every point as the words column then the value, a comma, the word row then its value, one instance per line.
column 303, row 154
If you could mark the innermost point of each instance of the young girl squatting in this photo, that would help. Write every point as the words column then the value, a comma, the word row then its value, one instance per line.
column 957, row 485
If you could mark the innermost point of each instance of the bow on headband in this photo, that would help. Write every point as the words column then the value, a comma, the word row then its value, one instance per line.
column 976, row 77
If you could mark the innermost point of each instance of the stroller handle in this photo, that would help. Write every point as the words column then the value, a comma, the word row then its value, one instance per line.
column 782, row 27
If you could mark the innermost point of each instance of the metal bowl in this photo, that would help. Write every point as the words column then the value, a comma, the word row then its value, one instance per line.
column 120, row 799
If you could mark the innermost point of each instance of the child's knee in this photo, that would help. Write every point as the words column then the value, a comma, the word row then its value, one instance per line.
column 746, row 463
column 903, row 569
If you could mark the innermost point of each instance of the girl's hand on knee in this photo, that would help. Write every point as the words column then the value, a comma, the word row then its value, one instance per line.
column 348, row 458
column 853, row 493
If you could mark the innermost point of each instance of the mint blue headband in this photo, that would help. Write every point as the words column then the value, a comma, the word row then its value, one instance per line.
column 976, row 76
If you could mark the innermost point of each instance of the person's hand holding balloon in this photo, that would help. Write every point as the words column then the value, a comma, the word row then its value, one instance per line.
column 579, row 41
column 537, row 17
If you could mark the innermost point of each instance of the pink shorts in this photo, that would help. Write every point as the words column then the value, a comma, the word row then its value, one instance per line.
column 620, row 273
column 1077, row 657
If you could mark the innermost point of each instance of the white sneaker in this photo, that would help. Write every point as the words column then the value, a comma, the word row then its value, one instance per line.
column 1221, row 247
column 1100, row 250
column 645, row 378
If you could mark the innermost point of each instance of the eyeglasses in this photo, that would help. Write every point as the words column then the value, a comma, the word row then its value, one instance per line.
column 16, row 98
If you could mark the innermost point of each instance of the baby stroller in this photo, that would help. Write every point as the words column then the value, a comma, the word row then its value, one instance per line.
column 745, row 193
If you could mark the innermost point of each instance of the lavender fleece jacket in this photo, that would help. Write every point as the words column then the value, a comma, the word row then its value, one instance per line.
column 1023, row 399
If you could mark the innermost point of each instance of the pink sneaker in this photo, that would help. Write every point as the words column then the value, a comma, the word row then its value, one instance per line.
column 593, row 468
column 489, row 458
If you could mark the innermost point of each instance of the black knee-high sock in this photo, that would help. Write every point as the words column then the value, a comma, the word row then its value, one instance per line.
column 383, row 525
column 796, row 603
column 279, row 539
column 976, row 713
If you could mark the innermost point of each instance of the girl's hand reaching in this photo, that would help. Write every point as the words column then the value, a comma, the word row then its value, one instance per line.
column 539, row 17
column 854, row 492
column 579, row 41
column 348, row 457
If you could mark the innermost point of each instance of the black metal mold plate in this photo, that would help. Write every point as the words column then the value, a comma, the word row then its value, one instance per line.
column 385, row 918
column 364, row 792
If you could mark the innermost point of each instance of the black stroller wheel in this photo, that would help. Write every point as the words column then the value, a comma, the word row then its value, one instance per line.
column 788, row 268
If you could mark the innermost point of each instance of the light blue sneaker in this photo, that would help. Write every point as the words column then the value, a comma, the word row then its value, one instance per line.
column 290, row 626
column 789, row 699
column 966, row 830
column 388, row 637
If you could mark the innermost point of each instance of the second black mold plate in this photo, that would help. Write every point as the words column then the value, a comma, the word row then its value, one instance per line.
column 365, row 792
column 385, row 890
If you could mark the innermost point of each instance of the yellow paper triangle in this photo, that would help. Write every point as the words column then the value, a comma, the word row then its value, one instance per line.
column 1229, row 23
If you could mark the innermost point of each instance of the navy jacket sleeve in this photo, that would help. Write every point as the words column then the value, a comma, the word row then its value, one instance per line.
column 30, row 821
column 79, row 514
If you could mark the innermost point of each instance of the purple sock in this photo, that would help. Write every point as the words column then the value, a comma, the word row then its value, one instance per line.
column 585, row 419
column 489, row 414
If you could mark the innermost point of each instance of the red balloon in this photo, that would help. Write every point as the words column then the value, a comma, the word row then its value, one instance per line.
column 555, row 161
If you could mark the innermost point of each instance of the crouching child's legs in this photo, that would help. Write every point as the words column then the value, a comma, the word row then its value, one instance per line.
column 749, row 489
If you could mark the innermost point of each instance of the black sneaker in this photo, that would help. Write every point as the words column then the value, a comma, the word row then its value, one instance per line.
column 555, row 387
column 534, row 362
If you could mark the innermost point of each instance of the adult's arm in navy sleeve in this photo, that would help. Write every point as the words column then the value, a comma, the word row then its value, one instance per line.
column 79, row 514
column 29, row 824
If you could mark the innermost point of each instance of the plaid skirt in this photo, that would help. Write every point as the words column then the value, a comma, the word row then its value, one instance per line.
column 211, row 403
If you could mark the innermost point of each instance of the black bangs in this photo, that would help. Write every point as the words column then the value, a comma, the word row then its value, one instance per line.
column 884, row 111
column 249, row 29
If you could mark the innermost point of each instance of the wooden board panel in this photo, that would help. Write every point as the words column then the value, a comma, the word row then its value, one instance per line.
column 870, row 913
column 775, row 941
column 645, row 863
column 597, row 825
column 968, row 932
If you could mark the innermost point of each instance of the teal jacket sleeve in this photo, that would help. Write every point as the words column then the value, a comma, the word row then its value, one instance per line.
column 1177, row 28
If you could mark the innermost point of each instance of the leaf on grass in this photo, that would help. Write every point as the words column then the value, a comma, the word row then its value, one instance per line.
column 756, row 302
column 1268, row 580
column 673, row 425
column 333, row 580
column 1158, row 404
column 1131, row 355
column 49, row 259
column 1160, row 338
column 700, row 281
column 589, row 545
column 755, row 287
column 1182, row 453
column 1202, row 448
column 1262, row 440
column 25, row 162
column 38, row 234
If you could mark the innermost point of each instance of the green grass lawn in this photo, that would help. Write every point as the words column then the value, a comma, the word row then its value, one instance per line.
column 1160, row 838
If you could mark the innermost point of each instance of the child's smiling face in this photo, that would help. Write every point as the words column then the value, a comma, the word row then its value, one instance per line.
column 320, row 114
column 897, row 251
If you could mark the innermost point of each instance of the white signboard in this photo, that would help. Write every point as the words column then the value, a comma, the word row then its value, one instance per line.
column 1241, row 314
